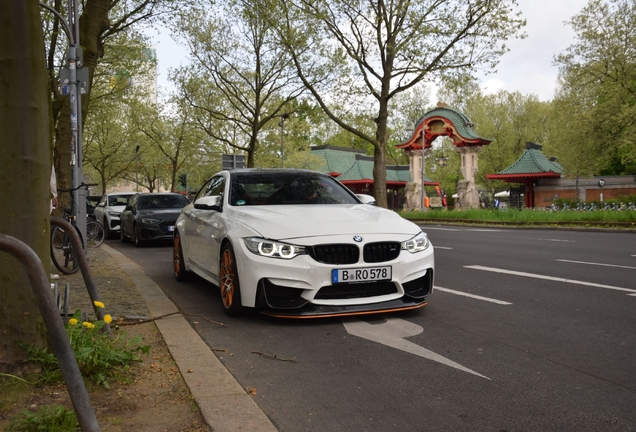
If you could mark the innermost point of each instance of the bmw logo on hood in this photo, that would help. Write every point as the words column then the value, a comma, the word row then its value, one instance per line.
column 357, row 238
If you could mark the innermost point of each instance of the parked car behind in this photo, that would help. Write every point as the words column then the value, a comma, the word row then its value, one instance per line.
column 151, row 216
column 108, row 210
column 92, row 201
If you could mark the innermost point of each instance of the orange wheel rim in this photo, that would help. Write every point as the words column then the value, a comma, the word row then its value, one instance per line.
column 176, row 255
column 227, row 279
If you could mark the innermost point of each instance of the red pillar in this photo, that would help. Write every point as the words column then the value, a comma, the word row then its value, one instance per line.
column 529, row 194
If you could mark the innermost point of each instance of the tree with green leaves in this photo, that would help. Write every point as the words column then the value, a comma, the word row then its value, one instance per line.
column 25, row 171
column 596, row 100
column 240, row 79
column 100, row 22
column 171, row 133
column 363, row 54
column 119, row 87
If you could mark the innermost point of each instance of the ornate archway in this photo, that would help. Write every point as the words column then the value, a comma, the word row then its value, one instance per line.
column 444, row 121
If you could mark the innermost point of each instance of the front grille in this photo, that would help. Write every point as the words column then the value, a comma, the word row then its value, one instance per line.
column 357, row 290
column 381, row 252
column 335, row 253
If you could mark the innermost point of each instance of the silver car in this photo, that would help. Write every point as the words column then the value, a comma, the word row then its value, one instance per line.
column 109, row 209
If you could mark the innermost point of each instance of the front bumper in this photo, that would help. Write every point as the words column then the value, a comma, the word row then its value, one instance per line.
column 302, row 287
column 160, row 231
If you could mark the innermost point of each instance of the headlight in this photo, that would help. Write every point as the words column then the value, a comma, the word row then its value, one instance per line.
column 114, row 214
column 416, row 244
column 273, row 249
column 150, row 220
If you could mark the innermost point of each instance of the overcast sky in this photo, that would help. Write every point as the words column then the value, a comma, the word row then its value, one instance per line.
column 527, row 68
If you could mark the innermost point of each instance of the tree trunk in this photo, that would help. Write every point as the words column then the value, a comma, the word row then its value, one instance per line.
column 379, row 153
column 25, row 171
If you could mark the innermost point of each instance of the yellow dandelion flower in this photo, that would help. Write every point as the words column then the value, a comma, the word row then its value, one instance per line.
column 108, row 319
column 98, row 304
column 88, row 325
column 72, row 321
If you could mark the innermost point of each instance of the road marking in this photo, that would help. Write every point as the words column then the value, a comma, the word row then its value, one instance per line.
column 461, row 293
column 598, row 264
column 537, row 276
column 392, row 333
column 554, row 240
column 442, row 247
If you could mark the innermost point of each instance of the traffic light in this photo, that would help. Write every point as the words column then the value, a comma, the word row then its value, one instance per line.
column 182, row 180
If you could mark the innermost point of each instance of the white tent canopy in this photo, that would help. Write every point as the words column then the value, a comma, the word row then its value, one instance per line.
column 502, row 194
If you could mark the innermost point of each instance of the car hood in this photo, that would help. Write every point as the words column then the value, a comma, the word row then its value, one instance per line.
column 289, row 222
column 118, row 209
column 163, row 214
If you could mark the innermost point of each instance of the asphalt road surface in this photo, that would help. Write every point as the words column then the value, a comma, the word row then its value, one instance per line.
column 527, row 330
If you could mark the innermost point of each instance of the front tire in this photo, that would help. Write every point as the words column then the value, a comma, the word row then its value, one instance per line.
column 229, row 282
column 137, row 236
column 107, row 232
column 178, row 265
column 122, row 236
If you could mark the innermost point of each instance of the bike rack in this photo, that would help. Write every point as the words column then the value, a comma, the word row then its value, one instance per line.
column 55, row 329
column 80, row 255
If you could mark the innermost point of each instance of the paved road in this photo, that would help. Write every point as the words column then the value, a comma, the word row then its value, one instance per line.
column 529, row 330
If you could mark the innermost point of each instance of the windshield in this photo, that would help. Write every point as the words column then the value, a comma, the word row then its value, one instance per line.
column 161, row 202
column 281, row 188
column 118, row 200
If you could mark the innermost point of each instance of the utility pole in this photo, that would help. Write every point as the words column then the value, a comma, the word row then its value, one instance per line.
column 70, row 76
column 137, row 168
column 282, row 138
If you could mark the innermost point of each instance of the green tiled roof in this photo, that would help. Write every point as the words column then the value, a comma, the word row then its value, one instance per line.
column 462, row 123
column 533, row 161
column 336, row 159
column 353, row 164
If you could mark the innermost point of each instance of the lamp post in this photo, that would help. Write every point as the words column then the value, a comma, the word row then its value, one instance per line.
column 282, row 138
column 137, row 169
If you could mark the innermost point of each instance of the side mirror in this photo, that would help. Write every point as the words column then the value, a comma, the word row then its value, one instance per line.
column 366, row 199
column 213, row 202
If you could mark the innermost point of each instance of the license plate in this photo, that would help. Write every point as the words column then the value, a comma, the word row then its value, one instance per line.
column 361, row 274
column 171, row 228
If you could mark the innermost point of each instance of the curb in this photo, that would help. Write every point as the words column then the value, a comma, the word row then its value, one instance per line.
column 224, row 404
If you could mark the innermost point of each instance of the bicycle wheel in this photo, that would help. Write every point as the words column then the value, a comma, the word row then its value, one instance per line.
column 62, row 253
column 94, row 233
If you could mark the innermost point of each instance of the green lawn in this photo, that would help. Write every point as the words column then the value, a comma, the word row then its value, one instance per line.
column 625, row 219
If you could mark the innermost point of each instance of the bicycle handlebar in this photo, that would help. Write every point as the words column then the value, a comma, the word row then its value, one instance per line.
column 85, row 185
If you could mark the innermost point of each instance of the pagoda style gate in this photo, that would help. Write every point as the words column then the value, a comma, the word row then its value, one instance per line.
column 444, row 121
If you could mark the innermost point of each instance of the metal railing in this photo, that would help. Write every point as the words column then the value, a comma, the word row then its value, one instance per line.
column 55, row 328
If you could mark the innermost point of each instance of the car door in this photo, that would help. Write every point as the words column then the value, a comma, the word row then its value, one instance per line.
column 99, row 211
column 208, row 229
column 127, row 216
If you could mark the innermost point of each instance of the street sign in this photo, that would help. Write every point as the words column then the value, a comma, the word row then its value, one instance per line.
column 601, row 183
column 81, row 76
column 230, row 162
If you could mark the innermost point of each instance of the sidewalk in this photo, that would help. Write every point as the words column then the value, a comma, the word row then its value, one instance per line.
column 128, row 293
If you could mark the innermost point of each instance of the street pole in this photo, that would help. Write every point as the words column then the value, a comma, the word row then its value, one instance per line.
column 282, row 139
column 137, row 168
column 79, row 196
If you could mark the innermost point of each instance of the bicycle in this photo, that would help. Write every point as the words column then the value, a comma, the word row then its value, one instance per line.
column 62, row 253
